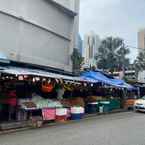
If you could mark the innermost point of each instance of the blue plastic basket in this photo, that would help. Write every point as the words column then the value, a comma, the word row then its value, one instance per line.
column 75, row 116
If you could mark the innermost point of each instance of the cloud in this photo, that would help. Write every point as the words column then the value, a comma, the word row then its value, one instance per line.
column 121, row 18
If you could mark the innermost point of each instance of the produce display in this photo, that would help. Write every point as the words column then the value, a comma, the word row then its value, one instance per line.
column 39, row 103
column 28, row 105
column 73, row 102
column 129, row 103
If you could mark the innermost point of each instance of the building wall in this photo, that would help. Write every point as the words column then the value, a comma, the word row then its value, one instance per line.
column 141, row 39
column 70, row 4
column 36, row 31
column 73, row 5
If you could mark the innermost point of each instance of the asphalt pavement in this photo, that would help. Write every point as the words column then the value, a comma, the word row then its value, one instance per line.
column 125, row 128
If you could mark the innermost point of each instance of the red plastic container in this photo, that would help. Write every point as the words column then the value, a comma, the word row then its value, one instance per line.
column 61, row 118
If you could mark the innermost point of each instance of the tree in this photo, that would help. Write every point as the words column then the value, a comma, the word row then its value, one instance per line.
column 122, row 60
column 112, row 54
column 77, row 60
column 139, row 63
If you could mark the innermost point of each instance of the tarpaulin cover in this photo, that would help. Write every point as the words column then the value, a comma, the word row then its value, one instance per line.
column 90, row 76
column 101, row 77
column 41, row 73
column 88, row 79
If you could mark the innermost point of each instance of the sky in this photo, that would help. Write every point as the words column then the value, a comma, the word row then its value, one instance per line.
column 121, row 18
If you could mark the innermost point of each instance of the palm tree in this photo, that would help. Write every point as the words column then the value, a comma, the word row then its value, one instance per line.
column 112, row 54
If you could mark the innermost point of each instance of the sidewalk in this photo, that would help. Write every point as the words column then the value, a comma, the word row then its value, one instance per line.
column 87, row 116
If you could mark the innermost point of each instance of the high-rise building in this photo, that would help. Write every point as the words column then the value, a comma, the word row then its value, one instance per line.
column 90, row 48
column 79, row 44
column 141, row 40
column 39, row 32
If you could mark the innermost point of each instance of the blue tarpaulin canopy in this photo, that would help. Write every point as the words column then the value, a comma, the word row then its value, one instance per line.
column 88, row 79
column 108, row 80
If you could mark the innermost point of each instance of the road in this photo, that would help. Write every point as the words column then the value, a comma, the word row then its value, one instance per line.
column 115, row 129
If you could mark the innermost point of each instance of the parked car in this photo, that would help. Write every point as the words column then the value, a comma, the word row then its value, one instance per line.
column 139, row 104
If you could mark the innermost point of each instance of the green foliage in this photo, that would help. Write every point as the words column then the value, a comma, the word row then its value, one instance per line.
column 112, row 54
column 139, row 63
column 77, row 60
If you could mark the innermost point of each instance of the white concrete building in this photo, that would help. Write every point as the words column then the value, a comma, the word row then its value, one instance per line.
column 90, row 48
column 40, row 32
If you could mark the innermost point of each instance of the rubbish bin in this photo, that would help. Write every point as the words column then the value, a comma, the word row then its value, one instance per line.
column 92, row 107
column 114, row 104
column 61, row 114
column 106, row 106
column 77, row 113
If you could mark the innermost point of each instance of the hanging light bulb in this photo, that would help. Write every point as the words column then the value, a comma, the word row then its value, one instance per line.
column 37, row 79
column 25, row 76
column 20, row 78
column 44, row 79
column 11, row 78
column 33, row 80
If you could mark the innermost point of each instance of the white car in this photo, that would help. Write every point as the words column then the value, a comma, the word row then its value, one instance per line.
column 139, row 104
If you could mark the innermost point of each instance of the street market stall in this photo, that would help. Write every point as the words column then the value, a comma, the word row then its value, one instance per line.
column 28, row 94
